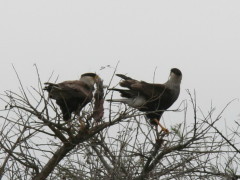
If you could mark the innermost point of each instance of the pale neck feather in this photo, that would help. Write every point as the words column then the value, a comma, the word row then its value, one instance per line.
column 173, row 81
column 88, row 80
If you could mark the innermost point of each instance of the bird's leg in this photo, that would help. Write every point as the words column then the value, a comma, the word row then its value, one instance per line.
column 163, row 128
column 69, row 123
column 157, row 131
column 81, row 123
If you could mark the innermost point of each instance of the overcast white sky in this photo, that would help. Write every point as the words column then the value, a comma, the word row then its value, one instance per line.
column 202, row 38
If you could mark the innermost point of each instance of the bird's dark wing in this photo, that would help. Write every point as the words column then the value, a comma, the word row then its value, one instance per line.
column 150, row 90
column 68, row 89
column 70, row 96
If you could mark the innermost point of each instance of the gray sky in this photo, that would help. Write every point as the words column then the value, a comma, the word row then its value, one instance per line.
column 202, row 38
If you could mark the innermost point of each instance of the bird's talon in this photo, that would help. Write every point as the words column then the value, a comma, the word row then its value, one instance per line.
column 165, row 130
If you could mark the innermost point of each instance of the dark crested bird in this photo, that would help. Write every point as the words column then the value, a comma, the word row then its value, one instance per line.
column 72, row 96
column 151, row 98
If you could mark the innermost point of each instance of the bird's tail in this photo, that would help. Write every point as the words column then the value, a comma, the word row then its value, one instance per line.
column 125, row 92
column 125, row 101
column 48, row 86
column 124, row 77
column 127, row 81
column 119, row 90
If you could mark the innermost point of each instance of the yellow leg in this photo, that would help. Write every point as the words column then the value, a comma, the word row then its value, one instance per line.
column 81, row 124
column 157, row 131
column 163, row 128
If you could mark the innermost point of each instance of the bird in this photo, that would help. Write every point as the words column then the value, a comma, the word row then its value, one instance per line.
column 73, row 95
column 151, row 98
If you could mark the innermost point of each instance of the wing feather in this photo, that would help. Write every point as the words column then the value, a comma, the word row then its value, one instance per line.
column 150, row 90
column 68, row 90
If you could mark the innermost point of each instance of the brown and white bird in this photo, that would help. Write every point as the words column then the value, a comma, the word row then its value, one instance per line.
column 72, row 96
column 151, row 98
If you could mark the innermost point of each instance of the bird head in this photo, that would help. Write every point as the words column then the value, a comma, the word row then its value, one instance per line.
column 175, row 75
column 90, row 78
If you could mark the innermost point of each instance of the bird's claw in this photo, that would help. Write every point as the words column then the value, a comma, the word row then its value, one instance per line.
column 165, row 130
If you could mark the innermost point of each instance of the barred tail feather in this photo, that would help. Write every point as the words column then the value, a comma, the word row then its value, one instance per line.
column 126, row 101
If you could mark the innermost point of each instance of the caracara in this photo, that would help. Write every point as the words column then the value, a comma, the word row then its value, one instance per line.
column 72, row 96
column 151, row 98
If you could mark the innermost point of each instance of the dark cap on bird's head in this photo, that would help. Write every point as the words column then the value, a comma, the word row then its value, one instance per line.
column 92, row 75
column 89, row 74
column 176, row 71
